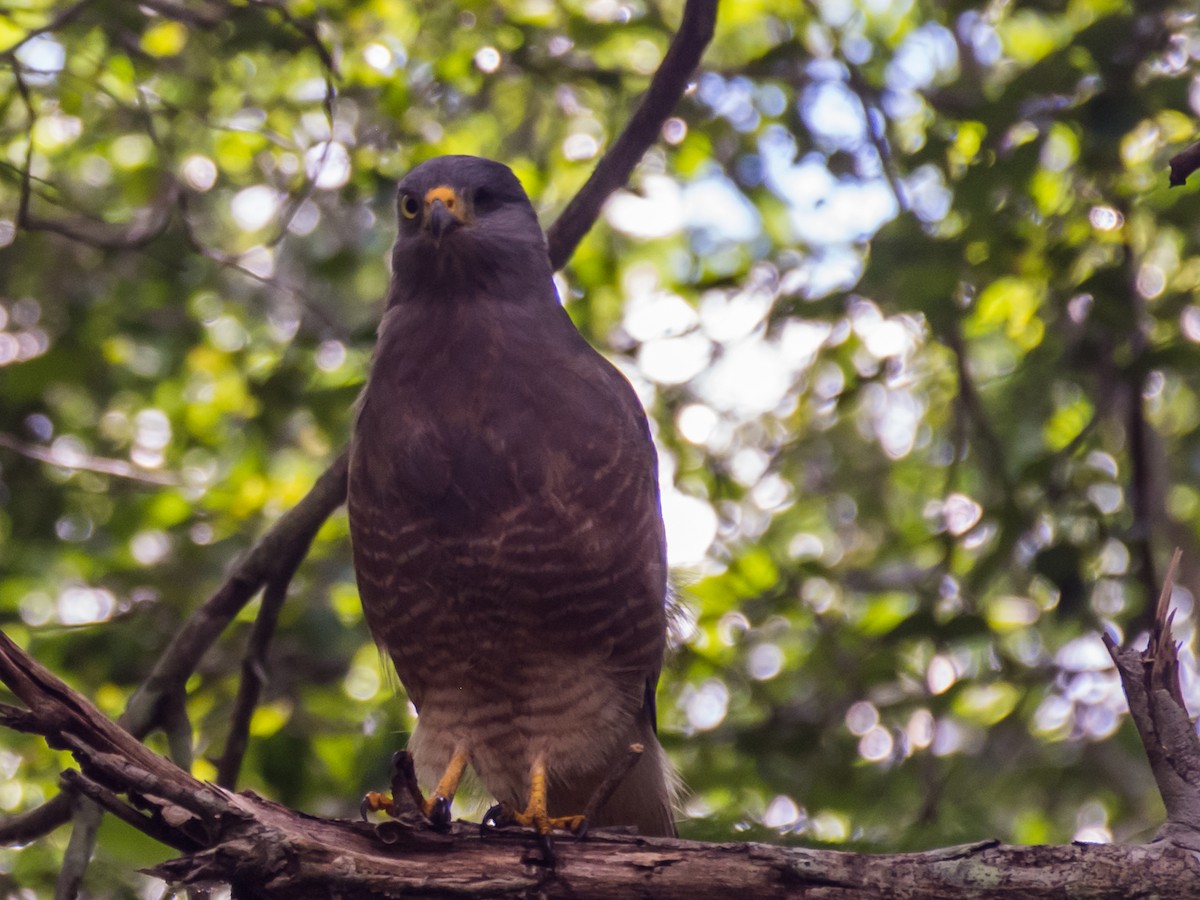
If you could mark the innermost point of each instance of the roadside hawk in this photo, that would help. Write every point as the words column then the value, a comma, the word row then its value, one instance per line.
column 505, row 518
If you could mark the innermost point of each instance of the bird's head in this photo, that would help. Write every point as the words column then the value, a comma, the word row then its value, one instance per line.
column 464, row 223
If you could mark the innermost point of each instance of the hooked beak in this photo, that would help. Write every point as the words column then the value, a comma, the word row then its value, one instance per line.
column 440, row 221
column 444, row 211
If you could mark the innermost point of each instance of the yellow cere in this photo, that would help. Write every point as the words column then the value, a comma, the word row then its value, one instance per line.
column 449, row 199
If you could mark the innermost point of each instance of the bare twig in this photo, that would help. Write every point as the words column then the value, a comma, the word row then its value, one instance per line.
column 30, row 121
column 968, row 399
column 77, row 782
column 876, row 121
column 102, row 465
column 233, row 262
column 193, row 14
column 868, row 101
column 308, row 31
column 152, row 223
column 613, row 780
column 254, row 676
column 659, row 101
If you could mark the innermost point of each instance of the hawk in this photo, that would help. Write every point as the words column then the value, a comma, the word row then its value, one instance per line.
column 505, row 518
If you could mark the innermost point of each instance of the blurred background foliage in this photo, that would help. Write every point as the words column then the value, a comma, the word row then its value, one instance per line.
column 902, row 286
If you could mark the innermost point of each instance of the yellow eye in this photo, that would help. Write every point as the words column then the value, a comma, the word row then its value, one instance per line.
column 409, row 206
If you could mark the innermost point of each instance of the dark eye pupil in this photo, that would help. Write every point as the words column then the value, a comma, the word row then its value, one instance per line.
column 484, row 199
column 408, row 206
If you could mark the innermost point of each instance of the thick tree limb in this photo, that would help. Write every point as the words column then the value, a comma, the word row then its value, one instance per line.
column 615, row 866
column 265, row 850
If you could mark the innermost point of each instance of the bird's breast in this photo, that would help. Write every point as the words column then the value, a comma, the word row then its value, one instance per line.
column 502, row 484
column 473, row 411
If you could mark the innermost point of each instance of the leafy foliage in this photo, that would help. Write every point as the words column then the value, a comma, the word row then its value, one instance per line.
column 903, row 287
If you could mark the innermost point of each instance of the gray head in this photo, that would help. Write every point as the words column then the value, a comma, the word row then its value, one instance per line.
column 465, row 225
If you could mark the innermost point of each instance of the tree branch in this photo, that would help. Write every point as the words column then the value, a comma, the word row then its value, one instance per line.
column 276, row 556
column 254, row 676
column 160, row 697
column 1184, row 164
column 32, row 824
column 659, row 101
column 268, row 851
column 1151, row 683
column 85, row 823
column 1145, row 498
column 279, row 552
column 79, row 462
column 873, row 115
column 971, row 406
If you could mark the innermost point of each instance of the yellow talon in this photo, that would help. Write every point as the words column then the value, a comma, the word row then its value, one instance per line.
column 437, row 806
column 535, row 815
column 373, row 801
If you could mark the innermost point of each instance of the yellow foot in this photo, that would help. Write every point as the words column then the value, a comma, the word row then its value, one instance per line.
column 373, row 801
column 535, row 815
column 502, row 814
column 435, row 808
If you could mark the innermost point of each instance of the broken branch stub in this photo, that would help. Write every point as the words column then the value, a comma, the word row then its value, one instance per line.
column 1150, row 679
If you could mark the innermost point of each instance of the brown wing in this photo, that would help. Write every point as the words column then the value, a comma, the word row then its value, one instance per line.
column 503, row 487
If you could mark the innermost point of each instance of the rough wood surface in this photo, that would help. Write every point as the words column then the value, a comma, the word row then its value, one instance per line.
column 265, row 850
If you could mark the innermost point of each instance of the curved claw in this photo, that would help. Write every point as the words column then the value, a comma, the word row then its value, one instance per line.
column 439, row 813
column 497, row 816
column 373, row 801
column 548, row 858
column 546, row 845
